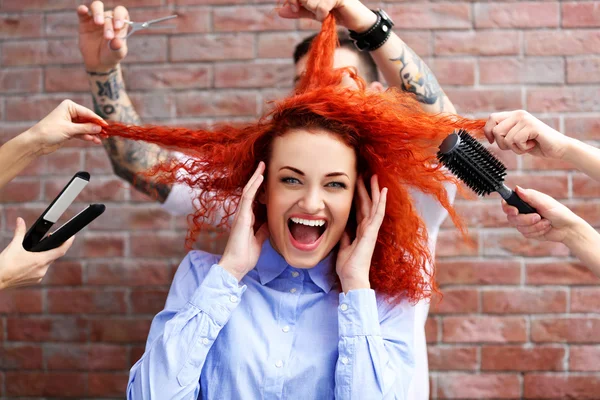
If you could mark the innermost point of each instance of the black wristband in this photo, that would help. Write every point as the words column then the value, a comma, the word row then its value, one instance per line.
column 376, row 36
column 110, row 72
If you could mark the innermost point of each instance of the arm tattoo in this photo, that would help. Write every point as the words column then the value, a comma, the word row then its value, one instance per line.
column 127, row 157
column 417, row 78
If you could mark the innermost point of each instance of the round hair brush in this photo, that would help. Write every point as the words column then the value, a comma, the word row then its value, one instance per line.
column 479, row 169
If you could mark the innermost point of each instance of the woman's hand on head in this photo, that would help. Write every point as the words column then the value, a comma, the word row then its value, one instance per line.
column 351, row 14
column 523, row 133
column 354, row 258
column 553, row 221
column 244, row 245
column 19, row 267
column 63, row 124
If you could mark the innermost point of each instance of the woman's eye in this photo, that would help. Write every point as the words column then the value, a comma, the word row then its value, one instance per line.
column 339, row 185
column 291, row 181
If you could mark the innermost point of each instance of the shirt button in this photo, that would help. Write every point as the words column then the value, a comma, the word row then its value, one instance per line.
column 233, row 298
column 204, row 341
column 345, row 360
column 293, row 290
column 295, row 274
column 279, row 364
column 344, row 307
column 285, row 329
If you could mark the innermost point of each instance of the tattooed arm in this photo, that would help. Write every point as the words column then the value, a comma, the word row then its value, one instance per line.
column 128, row 157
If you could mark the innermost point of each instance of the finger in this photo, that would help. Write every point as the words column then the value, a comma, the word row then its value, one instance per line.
column 79, row 112
column 323, row 9
column 524, row 219
column 364, row 201
column 109, row 30
column 20, row 230
column 379, row 212
column 538, row 234
column 120, row 15
column 60, row 251
column 258, row 172
column 375, row 194
column 310, row 5
column 540, row 201
column 501, row 130
column 345, row 240
column 294, row 5
column 287, row 12
column 537, row 227
column 523, row 140
column 509, row 210
column 97, row 9
column 493, row 120
column 84, row 14
column 262, row 234
column 509, row 138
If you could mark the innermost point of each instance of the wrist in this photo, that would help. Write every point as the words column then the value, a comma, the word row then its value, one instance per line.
column 355, row 283
column 570, row 152
column 102, row 72
column 231, row 270
column 577, row 233
column 357, row 17
column 30, row 143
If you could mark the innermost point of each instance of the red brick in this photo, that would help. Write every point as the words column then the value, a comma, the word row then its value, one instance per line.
column 47, row 329
column 93, row 357
column 553, row 185
column 97, row 161
column 189, row 20
column 471, row 100
column 158, row 245
column 524, row 301
column 585, row 299
column 561, row 42
column 34, row 108
column 20, row 80
column 583, row 127
column 149, row 105
column 147, row 49
column 502, row 70
column 480, row 386
column 136, row 353
column 235, row 19
column 40, row 52
column 211, row 47
column 21, row 301
column 168, row 77
column 215, row 104
column 277, row 44
column 560, row 386
column 61, row 163
column 540, row 358
column 64, row 273
column 419, row 41
column 484, row 43
column 452, row 358
column 584, row 358
column 18, row 356
column 479, row 214
column 63, row 384
column 86, row 301
column 134, row 218
column 484, row 329
column 20, row 190
column 451, row 244
column 580, row 14
column 148, row 301
column 533, row 163
column 589, row 210
column 103, row 245
column 559, row 273
column 107, row 384
column 454, row 71
column 488, row 272
column 584, row 186
column 517, row 15
column 583, row 70
column 431, row 16
column 2, row 329
column 254, row 75
column 66, row 79
column 563, row 99
column 571, row 330
column 119, row 330
column 39, row 5
column 431, row 330
column 513, row 243
column 14, row 26
column 455, row 301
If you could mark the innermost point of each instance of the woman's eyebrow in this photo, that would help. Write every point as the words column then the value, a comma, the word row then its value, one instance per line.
column 296, row 170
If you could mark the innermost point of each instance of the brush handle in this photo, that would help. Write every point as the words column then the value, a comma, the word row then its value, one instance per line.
column 515, row 201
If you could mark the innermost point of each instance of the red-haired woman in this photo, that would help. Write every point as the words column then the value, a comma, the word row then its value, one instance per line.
column 313, row 295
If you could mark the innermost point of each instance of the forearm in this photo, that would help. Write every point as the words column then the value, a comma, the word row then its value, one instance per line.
column 584, row 244
column 129, row 158
column 15, row 155
column 584, row 157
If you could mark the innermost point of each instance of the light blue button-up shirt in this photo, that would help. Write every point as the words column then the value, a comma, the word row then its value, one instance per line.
column 281, row 333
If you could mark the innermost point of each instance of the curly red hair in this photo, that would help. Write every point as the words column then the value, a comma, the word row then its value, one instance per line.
column 391, row 135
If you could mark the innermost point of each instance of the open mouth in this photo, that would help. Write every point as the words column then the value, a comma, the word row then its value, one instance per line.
column 306, row 234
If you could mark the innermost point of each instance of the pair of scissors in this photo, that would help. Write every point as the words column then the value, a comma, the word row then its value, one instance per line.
column 138, row 26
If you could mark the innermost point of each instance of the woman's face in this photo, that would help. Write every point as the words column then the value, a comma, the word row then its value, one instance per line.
column 308, row 194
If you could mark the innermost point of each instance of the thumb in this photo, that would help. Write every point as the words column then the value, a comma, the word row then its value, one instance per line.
column 20, row 230
column 537, row 200
column 76, row 129
column 262, row 234
column 287, row 12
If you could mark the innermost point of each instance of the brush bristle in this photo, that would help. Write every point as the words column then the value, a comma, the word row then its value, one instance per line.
column 473, row 164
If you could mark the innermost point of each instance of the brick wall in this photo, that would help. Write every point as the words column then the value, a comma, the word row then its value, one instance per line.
column 518, row 319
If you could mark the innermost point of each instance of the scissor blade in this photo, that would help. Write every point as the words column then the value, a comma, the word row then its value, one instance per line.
column 153, row 21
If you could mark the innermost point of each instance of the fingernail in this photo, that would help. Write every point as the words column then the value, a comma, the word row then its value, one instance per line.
column 109, row 34
column 294, row 8
column 119, row 24
column 99, row 19
column 96, row 128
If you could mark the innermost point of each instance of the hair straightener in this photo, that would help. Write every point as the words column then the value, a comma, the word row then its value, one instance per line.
column 34, row 238
column 479, row 169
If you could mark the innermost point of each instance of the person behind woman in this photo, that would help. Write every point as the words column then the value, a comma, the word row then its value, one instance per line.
column 313, row 294
column 522, row 133
column 17, row 266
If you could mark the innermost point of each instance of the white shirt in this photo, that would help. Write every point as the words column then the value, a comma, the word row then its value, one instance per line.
column 179, row 202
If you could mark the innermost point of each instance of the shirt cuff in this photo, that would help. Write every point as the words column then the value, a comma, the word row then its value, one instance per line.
column 357, row 313
column 218, row 295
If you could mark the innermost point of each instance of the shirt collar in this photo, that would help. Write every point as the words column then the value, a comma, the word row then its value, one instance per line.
column 271, row 264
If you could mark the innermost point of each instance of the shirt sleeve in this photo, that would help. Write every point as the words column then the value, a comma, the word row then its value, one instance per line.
column 376, row 347
column 200, row 302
